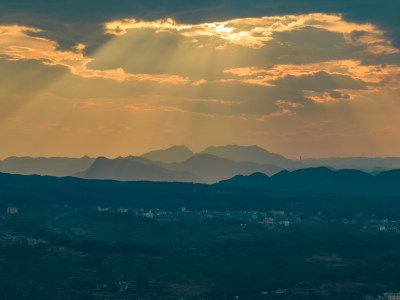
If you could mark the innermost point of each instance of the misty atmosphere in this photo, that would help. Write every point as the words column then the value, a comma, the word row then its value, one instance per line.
column 199, row 150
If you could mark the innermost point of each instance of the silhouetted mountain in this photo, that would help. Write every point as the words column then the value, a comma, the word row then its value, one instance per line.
column 242, row 192
column 254, row 181
column 252, row 154
column 133, row 169
column 52, row 166
column 322, row 180
column 30, row 192
column 179, row 164
column 203, row 168
column 170, row 155
column 367, row 164
column 210, row 168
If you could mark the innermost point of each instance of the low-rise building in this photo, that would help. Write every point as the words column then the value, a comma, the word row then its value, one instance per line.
column 12, row 210
column 269, row 221
column 148, row 215
column 285, row 223
column 276, row 212
column 394, row 296
column 102, row 209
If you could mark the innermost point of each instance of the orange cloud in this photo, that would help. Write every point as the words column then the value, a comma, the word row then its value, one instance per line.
column 17, row 44
column 199, row 82
column 284, row 108
column 382, row 49
column 120, row 27
column 324, row 97
column 388, row 75
column 253, row 32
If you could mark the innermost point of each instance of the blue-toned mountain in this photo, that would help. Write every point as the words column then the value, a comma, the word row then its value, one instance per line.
column 322, row 180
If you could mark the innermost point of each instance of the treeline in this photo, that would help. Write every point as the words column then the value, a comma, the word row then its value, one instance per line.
column 103, row 247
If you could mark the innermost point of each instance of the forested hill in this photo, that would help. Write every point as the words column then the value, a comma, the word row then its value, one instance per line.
column 257, row 191
column 322, row 181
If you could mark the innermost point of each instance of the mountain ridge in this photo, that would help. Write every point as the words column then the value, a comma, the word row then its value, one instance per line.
column 52, row 166
column 213, row 164
column 251, row 154
column 133, row 169
column 177, row 153
column 201, row 168
column 322, row 180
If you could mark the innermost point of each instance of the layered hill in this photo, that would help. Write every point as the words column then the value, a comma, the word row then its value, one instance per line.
column 133, row 169
column 179, row 163
column 210, row 168
column 202, row 168
column 322, row 180
column 52, row 166
column 252, row 154
column 369, row 164
column 170, row 155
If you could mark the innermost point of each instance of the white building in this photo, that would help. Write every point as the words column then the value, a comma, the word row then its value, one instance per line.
column 269, row 221
column 102, row 209
column 148, row 215
column 394, row 296
column 285, row 223
column 12, row 210
column 276, row 212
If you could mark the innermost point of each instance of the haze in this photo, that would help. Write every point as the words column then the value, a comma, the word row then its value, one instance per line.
column 300, row 80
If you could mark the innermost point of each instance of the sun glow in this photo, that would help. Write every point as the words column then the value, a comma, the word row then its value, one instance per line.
column 276, row 77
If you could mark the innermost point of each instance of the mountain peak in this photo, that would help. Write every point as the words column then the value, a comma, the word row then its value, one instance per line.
column 206, row 157
column 235, row 147
column 317, row 181
column 251, row 154
column 176, row 153
column 255, row 180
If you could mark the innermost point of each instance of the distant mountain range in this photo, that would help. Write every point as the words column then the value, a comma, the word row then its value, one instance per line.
column 321, row 180
column 133, row 169
column 179, row 163
column 252, row 154
column 170, row 155
column 236, row 153
column 315, row 186
column 367, row 164
column 203, row 168
column 52, row 166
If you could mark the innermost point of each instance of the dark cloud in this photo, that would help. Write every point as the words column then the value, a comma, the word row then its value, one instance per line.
column 320, row 82
column 143, row 51
column 338, row 95
column 82, row 18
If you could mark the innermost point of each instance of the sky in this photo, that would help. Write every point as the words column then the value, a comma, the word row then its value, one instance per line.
column 100, row 78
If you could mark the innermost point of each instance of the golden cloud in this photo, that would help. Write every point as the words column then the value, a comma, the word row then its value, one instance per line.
column 324, row 97
column 254, row 32
column 373, row 75
column 17, row 44
column 284, row 108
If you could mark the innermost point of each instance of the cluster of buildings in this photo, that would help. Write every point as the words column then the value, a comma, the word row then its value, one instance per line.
column 266, row 218
column 8, row 240
column 12, row 210
column 385, row 296
column 271, row 218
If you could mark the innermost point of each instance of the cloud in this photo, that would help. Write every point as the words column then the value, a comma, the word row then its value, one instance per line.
column 251, row 65
column 329, row 43
column 324, row 97
column 17, row 43
column 371, row 75
column 257, row 32
column 81, row 15
column 319, row 84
